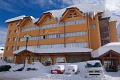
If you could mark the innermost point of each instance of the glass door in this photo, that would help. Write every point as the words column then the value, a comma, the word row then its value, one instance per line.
column 109, row 65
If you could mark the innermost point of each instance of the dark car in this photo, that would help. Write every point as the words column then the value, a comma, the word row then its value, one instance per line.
column 5, row 68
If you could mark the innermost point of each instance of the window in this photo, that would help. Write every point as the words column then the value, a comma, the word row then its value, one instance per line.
column 8, row 39
column 11, row 24
column 10, row 31
column 57, row 35
column 47, row 61
column 15, row 31
column 13, row 48
column 7, row 48
column 14, row 39
column 70, row 16
column 60, row 60
column 43, row 36
column 92, row 26
column 75, row 15
column 17, row 24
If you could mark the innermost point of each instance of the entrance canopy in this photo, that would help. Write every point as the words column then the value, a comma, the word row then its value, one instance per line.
column 115, row 46
column 54, row 50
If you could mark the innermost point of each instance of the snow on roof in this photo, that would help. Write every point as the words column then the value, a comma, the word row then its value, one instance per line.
column 35, row 20
column 115, row 46
column 55, row 50
column 57, row 13
column 28, row 48
column 107, row 13
column 82, row 7
column 115, row 18
column 32, row 17
column 15, row 18
column 90, row 8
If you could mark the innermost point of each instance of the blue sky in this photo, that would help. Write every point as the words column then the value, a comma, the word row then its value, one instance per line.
column 35, row 8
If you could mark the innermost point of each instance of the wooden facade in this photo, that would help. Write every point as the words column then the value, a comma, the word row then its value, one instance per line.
column 70, row 57
column 110, row 60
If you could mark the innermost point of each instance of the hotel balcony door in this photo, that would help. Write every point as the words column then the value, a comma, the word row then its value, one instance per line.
column 110, row 65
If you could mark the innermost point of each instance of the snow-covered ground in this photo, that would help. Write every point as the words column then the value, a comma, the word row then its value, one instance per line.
column 43, row 73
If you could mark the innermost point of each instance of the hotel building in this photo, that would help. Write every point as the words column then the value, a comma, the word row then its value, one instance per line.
column 66, row 35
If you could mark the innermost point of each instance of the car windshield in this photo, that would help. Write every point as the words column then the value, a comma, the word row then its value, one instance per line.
column 97, row 64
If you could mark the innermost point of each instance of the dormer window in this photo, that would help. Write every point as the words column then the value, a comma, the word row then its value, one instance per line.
column 75, row 15
column 70, row 16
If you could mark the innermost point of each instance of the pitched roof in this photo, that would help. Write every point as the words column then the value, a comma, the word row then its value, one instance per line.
column 115, row 46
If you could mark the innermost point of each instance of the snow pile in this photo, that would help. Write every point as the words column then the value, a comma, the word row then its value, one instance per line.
column 115, row 46
column 2, row 62
column 18, row 66
column 38, row 66
column 41, row 73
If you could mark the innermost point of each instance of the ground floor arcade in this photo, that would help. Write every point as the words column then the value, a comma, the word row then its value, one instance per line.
column 51, row 58
column 110, row 59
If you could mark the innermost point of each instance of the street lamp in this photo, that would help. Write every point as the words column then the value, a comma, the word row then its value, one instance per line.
column 27, row 36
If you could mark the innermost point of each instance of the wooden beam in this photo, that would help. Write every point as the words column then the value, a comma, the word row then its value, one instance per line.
column 111, row 57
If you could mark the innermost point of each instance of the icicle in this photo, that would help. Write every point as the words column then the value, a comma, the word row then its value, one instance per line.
column 84, row 15
column 92, row 16
column 94, row 13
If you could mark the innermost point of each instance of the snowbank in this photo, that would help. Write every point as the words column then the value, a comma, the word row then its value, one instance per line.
column 38, row 66
column 18, row 66
column 2, row 62
column 41, row 74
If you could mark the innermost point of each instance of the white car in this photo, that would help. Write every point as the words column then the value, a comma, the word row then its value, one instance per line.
column 57, row 69
column 94, row 69
column 71, row 69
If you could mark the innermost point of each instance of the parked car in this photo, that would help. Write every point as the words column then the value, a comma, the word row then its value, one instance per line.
column 57, row 69
column 5, row 68
column 94, row 69
column 71, row 69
